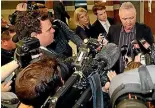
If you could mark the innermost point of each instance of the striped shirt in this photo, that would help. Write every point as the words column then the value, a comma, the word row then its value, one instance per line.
column 127, row 38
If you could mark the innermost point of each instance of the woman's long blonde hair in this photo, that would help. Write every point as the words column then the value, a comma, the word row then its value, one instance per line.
column 77, row 13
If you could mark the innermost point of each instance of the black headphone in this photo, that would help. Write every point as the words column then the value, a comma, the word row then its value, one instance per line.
column 12, row 18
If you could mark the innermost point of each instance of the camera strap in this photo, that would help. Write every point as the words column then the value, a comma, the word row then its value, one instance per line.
column 96, row 89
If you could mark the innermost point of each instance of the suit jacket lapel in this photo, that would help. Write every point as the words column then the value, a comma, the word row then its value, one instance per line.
column 117, row 34
column 100, row 27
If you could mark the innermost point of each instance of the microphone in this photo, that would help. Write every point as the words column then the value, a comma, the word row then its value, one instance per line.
column 124, row 50
column 145, row 44
column 136, row 47
column 147, row 57
column 110, row 55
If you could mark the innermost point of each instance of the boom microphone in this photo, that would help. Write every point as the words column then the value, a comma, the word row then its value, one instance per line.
column 110, row 55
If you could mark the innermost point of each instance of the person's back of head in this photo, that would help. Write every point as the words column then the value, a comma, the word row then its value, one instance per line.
column 37, row 81
column 26, row 23
column 132, row 65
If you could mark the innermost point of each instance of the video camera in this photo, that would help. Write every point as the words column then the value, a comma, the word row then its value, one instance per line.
column 77, row 83
column 76, row 89
column 135, row 93
column 25, row 49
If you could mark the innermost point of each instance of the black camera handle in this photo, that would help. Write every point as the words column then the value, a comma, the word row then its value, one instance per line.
column 84, row 98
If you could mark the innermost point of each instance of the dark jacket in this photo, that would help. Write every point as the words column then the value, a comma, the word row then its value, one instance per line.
column 83, row 33
column 97, row 28
column 62, row 36
column 142, row 32
column 59, row 11
column 6, row 56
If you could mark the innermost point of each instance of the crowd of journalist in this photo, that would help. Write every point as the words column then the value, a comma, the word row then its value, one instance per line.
column 108, row 71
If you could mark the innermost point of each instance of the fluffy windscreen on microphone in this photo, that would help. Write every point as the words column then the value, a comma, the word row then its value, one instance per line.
column 110, row 55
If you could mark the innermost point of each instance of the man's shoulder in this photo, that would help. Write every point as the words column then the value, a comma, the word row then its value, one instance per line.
column 111, row 20
column 96, row 23
column 78, row 29
column 141, row 26
column 116, row 27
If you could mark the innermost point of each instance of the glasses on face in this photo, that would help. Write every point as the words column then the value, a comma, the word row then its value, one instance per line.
column 130, row 18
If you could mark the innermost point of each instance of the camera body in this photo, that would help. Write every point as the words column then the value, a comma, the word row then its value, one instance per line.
column 25, row 48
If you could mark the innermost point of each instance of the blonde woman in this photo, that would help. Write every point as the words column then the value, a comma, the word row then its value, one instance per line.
column 83, row 23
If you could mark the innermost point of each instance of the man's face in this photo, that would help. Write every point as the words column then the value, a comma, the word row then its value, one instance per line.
column 46, row 37
column 9, row 44
column 101, row 15
column 128, row 18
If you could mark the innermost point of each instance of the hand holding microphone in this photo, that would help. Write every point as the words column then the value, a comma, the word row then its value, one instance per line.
column 102, row 39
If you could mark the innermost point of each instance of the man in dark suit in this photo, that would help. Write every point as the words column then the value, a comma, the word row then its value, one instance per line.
column 102, row 24
column 59, row 11
column 129, row 30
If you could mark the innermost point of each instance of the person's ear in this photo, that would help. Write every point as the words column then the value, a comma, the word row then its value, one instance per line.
column 3, row 42
column 33, row 34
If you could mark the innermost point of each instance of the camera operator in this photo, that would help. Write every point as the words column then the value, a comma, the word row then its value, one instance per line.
column 39, row 80
column 39, row 24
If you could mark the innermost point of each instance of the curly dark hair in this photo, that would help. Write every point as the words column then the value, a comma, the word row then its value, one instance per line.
column 28, row 22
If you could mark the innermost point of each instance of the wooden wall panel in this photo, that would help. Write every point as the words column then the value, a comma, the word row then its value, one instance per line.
column 149, row 18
